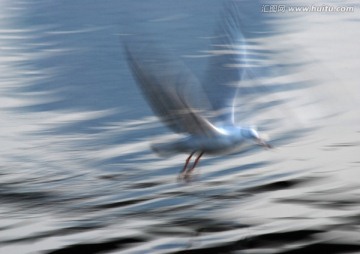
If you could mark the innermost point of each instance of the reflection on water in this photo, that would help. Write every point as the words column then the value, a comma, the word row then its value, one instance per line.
column 76, row 172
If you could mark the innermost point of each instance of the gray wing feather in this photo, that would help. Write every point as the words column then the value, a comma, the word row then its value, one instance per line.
column 226, row 66
column 164, row 84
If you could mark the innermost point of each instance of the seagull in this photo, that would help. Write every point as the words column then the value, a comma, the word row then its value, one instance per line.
column 203, row 112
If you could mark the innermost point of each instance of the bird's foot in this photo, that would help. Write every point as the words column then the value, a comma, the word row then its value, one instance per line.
column 186, row 177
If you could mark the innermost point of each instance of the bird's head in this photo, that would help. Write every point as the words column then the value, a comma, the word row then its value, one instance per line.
column 252, row 134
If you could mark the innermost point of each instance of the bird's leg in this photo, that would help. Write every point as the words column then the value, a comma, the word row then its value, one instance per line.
column 183, row 171
column 189, row 171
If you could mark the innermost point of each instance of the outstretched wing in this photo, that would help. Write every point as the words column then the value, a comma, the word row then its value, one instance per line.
column 227, row 63
column 164, row 83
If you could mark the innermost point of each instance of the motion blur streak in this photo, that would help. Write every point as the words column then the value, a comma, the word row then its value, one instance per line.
column 76, row 173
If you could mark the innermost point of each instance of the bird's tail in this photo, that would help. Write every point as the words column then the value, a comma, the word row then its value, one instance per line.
column 164, row 149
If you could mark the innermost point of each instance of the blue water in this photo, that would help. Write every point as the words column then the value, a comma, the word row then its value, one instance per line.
column 76, row 171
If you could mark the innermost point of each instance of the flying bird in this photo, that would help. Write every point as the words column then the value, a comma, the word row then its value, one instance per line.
column 204, row 112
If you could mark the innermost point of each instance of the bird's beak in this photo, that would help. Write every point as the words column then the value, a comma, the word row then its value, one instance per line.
column 263, row 143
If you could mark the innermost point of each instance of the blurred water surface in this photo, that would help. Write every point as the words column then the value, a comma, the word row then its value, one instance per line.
column 76, row 171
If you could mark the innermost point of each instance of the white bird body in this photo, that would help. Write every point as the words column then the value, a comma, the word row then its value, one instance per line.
column 229, row 140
